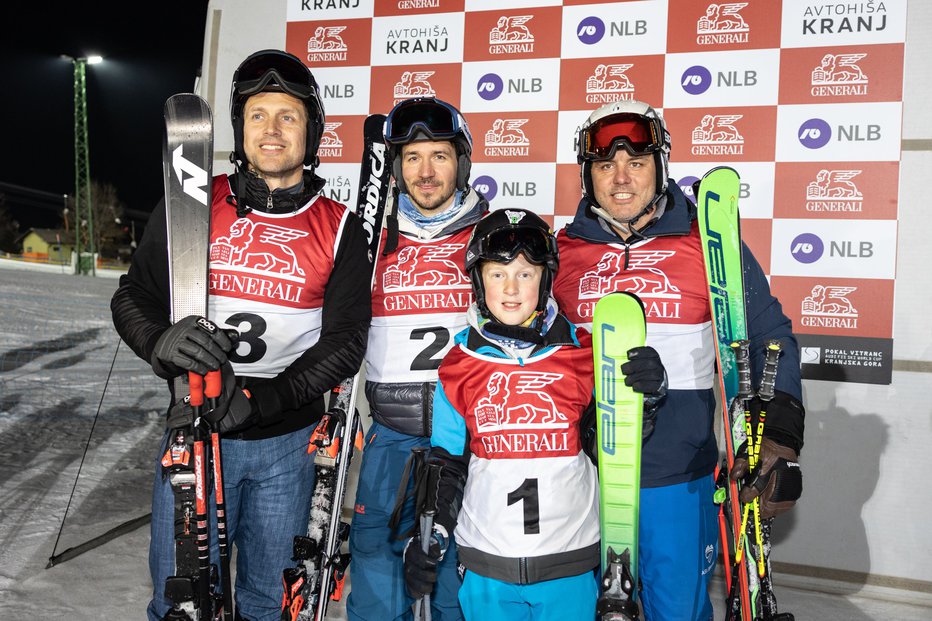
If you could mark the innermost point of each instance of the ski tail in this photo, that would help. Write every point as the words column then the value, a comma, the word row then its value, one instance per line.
column 318, row 574
column 618, row 326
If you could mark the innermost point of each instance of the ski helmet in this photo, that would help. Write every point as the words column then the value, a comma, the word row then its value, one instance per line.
column 428, row 118
column 280, row 72
column 632, row 125
column 500, row 237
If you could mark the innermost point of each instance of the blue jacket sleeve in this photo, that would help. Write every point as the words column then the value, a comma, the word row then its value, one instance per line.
column 766, row 321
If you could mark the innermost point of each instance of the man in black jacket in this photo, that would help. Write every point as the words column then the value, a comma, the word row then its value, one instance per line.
column 289, row 274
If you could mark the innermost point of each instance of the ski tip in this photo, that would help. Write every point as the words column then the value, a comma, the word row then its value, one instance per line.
column 374, row 124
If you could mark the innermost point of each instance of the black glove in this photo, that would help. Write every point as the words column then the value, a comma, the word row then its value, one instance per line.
column 235, row 408
column 777, row 479
column 420, row 566
column 644, row 372
column 192, row 344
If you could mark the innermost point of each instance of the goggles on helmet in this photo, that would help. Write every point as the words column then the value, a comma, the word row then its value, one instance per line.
column 636, row 134
column 503, row 245
column 255, row 75
column 438, row 119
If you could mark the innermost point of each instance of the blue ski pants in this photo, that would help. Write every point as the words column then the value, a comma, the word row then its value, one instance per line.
column 486, row 599
column 678, row 548
column 377, row 587
column 267, row 491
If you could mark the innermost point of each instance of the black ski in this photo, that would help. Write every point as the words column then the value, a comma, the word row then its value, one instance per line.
column 187, row 162
column 321, row 564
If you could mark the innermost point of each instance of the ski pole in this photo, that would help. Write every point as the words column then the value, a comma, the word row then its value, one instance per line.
column 212, row 390
column 422, row 606
column 196, row 391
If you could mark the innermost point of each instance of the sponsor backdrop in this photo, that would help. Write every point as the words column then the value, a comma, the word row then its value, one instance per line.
column 802, row 97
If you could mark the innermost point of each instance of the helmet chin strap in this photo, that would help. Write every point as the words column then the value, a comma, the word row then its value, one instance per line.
column 627, row 225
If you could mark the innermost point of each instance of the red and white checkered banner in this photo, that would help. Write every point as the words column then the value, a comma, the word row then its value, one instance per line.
column 802, row 97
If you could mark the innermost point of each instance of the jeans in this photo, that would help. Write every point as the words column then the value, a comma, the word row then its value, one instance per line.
column 267, row 491
column 377, row 588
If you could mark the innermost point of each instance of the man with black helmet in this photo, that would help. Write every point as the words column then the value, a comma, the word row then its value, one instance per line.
column 419, row 301
column 288, row 271
column 635, row 230
column 518, row 493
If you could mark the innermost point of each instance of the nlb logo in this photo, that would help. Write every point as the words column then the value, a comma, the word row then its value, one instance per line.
column 609, row 83
column 491, row 86
column 840, row 17
column 511, row 35
column 486, row 186
column 834, row 191
column 814, row 133
column 722, row 24
column 427, row 39
column 829, row 307
column 327, row 45
column 413, row 84
column 839, row 75
column 716, row 134
column 807, row 248
column 331, row 145
column 686, row 185
column 591, row 29
column 696, row 80
column 507, row 139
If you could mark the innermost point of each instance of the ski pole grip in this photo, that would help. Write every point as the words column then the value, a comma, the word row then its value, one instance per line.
column 212, row 385
column 743, row 362
column 769, row 378
column 196, row 389
column 433, row 489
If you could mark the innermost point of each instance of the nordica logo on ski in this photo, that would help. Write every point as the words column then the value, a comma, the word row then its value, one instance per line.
column 195, row 185
column 606, row 405
column 718, row 279
column 374, row 190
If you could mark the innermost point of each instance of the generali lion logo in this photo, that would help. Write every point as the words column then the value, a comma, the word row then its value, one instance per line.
column 519, row 400
column 722, row 23
column 609, row 83
column 829, row 307
column 425, row 267
column 839, row 74
column 610, row 275
column 259, row 247
column 413, row 84
column 331, row 145
column 716, row 134
column 834, row 190
column 511, row 35
column 327, row 45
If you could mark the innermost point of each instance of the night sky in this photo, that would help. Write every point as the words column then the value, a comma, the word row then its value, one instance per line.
column 151, row 51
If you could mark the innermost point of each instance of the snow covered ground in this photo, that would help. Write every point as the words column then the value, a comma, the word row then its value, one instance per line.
column 57, row 345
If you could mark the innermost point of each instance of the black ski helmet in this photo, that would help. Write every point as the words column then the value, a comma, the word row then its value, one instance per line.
column 428, row 118
column 281, row 72
column 500, row 237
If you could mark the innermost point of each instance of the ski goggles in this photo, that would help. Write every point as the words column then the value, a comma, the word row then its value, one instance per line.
column 438, row 119
column 503, row 245
column 636, row 134
column 286, row 72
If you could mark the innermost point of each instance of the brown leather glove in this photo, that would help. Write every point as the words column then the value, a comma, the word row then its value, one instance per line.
column 777, row 480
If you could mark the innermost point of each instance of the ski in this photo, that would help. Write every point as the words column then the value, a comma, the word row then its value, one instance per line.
column 187, row 156
column 745, row 544
column 618, row 324
column 319, row 573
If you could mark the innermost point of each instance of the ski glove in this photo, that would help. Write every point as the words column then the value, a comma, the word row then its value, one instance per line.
column 420, row 566
column 192, row 344
column 777, row 479
column 235, row 408
column 644, row 372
